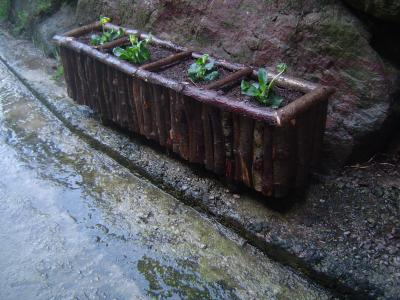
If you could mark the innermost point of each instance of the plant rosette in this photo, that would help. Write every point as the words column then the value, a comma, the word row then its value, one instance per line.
column 136, row 53
column 262, row 90
column 203, row 69
column 107, row 35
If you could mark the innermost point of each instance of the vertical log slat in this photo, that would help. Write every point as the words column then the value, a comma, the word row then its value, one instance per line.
column 284, row 158
column 246, row 150
column 218, row 140
column 257, row 168
column 208, row 138
column 267, row 175
column 138, row 104
column 227, row 128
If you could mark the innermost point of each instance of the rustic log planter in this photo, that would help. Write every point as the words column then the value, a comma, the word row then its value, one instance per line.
column 270, row 151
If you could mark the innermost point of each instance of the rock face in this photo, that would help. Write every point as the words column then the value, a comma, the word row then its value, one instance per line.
column 321, row 41
column 388, row 10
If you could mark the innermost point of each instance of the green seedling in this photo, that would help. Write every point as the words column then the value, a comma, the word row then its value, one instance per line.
column 136, row 53
column 203, row 69
column 107, row 35
column 262, row 90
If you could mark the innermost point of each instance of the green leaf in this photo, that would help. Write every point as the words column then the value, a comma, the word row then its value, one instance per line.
column 281, row 68
column 262, row 79
column 95, row 40
column 133, row 39
column 248, row 89
column 202, row 60
column 104, row 20
column 117, row 51
column 211, row 76
column 210, row 65
column 244, row 86
column 276, row 101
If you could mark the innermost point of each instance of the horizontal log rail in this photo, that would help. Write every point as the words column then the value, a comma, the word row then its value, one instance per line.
column 232, row 78
column 84, row 29
column 118, row 42
column 166, row 61
column 304, row 103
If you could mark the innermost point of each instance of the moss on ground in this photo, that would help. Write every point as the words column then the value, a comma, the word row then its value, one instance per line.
column 5, row 7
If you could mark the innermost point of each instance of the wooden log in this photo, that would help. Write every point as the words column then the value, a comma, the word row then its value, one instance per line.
column 106, row 92
column 133, row 120
column 72, row 62
column 91, row 84
column 267, row 175
column 304, row 126
column 297, row 107
column 284, row 159
column 166, row 61
column 258, row 155
column 195, row 128
column 174, row 134
column 158, row 113
column 232, row 78
column 182, row 124
column 167, row 116
column 122, row 100
column 218, row 140
column 111, row 94
column 146, row 101
column 126, row 30
column 81, row 80
column 67, row 72
column 116, row 43
column 227, row 128
column 138, row 104
column 246, row 150
column 83, row 29
column 208, row 138
column 98, row 70
column 237, row 173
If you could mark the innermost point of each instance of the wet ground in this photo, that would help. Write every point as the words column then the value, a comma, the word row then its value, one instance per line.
column 344, row 234
column 74, row 224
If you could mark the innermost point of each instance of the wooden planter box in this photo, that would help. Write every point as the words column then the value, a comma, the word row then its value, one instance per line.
column 270, row 151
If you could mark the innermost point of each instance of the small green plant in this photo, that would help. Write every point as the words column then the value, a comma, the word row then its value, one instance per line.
column 5, row 7
column 107, row 35
column 203, row 69
column 262, row 90
column 21, row 23
column 136, row 53
column 59, row 73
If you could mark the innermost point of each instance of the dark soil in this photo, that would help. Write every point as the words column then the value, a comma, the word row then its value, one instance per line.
column 157, row 52
column 287, row 95
column 178, row 72
column 85, row 38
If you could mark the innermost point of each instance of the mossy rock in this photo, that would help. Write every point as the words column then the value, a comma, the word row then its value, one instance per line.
column 388, row 10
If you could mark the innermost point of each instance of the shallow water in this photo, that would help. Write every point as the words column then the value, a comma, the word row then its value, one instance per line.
column 74, row 224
